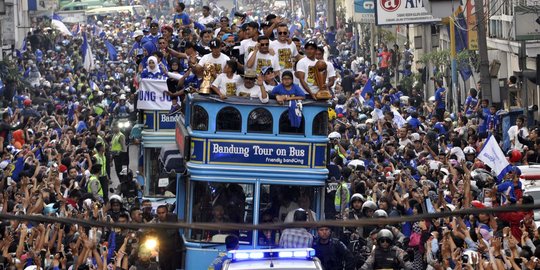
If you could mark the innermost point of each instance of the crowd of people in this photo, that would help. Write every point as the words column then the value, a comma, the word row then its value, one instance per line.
column 394, row 152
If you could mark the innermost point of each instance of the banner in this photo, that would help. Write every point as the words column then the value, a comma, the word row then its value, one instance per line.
column 364, row 11
column 492, row 155
column 258, row 153
column 471, row 27
column 391, row 12
column 152, row 95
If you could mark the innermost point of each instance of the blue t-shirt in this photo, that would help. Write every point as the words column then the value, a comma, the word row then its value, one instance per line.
column 440, row 98
column 440, row 128
column 183, row 17
column 294, row 92
column 414, row 122
column 470, row 104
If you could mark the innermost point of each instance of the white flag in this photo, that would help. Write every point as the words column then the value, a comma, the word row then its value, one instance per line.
column 60, row 26
column 492, row 155
column 88, row 58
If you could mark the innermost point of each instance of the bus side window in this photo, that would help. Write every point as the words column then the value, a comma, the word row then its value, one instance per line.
column 229, row 119
column 260, row 121
column 320, row 124
column 199, row 118
column 285, row 126
column 216, row 202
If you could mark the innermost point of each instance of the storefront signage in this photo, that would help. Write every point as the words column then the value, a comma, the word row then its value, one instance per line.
column 258, row 153
column 391, row 12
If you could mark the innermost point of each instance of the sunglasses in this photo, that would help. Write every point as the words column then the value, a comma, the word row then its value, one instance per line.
column 265, row 44
column 385, row 240
column 283, row 33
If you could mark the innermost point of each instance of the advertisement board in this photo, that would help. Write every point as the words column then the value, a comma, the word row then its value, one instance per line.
column 391, row 12
column 527, row 22
column 364, row 11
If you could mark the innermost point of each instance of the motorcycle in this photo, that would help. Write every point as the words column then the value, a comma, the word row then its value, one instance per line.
column 124, row 123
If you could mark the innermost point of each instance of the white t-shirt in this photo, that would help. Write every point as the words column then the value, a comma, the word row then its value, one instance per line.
column 264, row 60
column 254, row 92
column 513, row 133
column 269, row 88
column 246, row 46
column 307, row 66
column 226, row 85
column 219, row 63
column 206, row 20
column 285, row 53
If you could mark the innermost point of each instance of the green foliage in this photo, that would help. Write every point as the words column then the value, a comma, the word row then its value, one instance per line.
column 9, row 72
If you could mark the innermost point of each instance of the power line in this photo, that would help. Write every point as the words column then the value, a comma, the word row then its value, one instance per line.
column 272, row 226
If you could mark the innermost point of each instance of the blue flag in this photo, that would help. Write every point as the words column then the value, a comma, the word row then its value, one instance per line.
column 113, row 55
column 293, row 29
column 295, row 113
column 56, row 17
column 368, row 88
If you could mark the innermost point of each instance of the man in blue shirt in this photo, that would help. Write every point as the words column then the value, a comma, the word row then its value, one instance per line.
column 231, row 243
column 181, row 18
column 440, row 100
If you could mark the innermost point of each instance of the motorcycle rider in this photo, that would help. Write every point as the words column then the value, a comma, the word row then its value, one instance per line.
column 386, row 255
column 117, row 207
column 355, row 213
column 122, row 108
column 396, row 233
column 332, row 253
column 129, row 187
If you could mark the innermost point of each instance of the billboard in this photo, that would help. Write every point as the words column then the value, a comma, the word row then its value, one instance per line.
column 527, row 22
column 364, row 11
column 391, row 12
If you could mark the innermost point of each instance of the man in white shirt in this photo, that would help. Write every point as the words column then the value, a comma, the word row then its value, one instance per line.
column 306, row 70
column 518, row 130
column 215, row 57
column 260, row 57
column 249, row 89
column 206, row 18
column 247, row 45
column 284, row 48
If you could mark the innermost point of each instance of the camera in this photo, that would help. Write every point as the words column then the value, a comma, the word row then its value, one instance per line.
column 465, row 258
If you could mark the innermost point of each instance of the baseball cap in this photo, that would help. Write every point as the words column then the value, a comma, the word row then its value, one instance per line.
column 311, row 43
column 138, row 33
column 215, row 43
column 267, row 69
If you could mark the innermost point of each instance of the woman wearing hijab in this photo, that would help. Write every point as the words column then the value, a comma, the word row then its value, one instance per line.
column 152, row 70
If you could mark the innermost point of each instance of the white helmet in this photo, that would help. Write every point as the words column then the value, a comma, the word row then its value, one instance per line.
column 469, row 150
column 334, row 136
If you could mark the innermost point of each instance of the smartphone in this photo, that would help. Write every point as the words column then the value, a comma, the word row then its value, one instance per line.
column 465, row 258
column 518, row 260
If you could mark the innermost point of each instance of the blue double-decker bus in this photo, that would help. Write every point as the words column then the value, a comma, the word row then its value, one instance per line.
column 245, row 163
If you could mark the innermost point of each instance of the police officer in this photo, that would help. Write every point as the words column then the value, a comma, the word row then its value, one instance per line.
column 332, row 252
column 231, row 243
column 386, row 255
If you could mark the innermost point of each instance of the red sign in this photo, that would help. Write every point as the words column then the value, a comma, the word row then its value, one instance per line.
column 390, row 5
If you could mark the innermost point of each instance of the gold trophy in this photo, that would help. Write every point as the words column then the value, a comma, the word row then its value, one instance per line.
column 208, row 77
column 320, row 81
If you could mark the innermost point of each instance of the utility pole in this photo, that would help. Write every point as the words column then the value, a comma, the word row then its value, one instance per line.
column 524, row 80
column 312, row 13
column 331, row 18
column 372, row 43
column 485, row 78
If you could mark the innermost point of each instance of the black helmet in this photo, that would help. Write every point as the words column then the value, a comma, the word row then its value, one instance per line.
column 300, row 215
